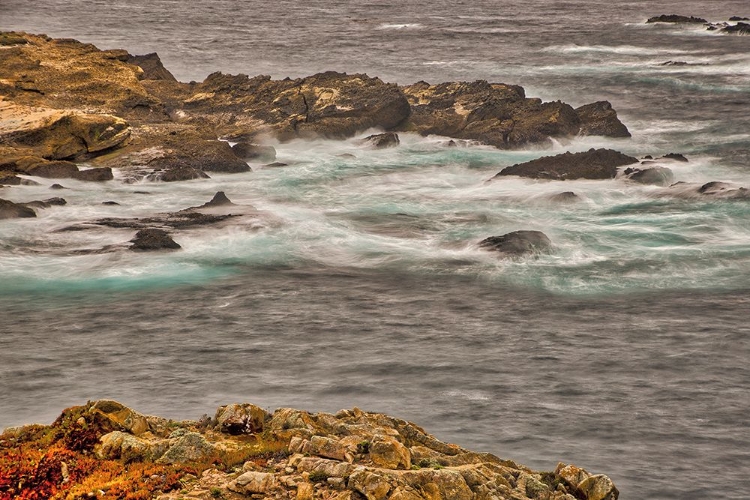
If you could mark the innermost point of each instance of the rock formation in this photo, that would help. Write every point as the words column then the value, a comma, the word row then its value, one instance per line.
column 674, row 18
column 517, row 243
column 592, row 164
column 243, row 451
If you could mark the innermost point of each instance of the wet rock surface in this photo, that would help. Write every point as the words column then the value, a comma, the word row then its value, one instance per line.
column 518, row 243
column 592, row 164
column 153, row 239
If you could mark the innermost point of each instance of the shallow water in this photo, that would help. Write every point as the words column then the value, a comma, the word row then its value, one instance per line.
column 359, row 281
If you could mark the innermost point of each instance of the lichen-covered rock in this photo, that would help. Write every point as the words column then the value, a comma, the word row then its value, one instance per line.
column 388, row 453
column 240, row 418
column 253, row 482
column 373, row 486
column 190, row 448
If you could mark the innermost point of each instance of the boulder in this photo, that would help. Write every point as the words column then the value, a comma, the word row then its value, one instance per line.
column 122, row 416
column 659, row 176
column 674, row 18
column 59, row 134
column 255, row 152
column 675, row 157
column 599, row 118
column 253, row 482
column 382, row 141
column 389, row 453
column 373, row 486
column 240, row 419
column 10, row 179
column 565, row 197
column 10, row 210
column 518, row 243
column 598, row 487
column 129, row 448
column 191, row 447
column 94, row 174
column 153, row 239
column 58, row 169
column 46, row 203
column 592, row 164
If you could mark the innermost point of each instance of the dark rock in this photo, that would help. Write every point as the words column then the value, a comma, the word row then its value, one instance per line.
column 179, row 173
column 381, row 141
column 249, row 151
column 9, row 179
column 49, row 169
column 674, row 18
column 10, row 210
column 451, row 144
column 110, row 203
column 518, row 243
column 738, row 18
column 152, row 67
column 94, row 174
column 276, row 164
column 208, row 156
column 737, row 29
column 153, row 239
column 57, row 186
column 346, row 155
column 219, row 200
column 492, row 113
column 714, row 187
column 659, row 176
column 46, row 203
column 675, row 156
column 599, row 118
column 592, row 164
column 648, row 157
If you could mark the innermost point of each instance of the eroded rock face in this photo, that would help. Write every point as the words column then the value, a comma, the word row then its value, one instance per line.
column 592, row 164
column 518, row 243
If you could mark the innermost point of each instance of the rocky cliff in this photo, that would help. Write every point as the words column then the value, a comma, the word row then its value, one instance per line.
column 106, row 450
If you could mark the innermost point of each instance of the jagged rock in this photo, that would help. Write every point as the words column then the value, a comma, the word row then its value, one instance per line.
column 385, row 140
column 659, row 176
column 495, row 114
column 674, row 18
column 737, row 29
column 592, row 164
column 219, row 200
column 332, row 105
column 331, row 468
column 738, row 18
column 240, row 418
column 255, row 152
column 372, row 486
column 517, row 243
column 152, row 67
column 153, row 239
column 599, row 118
column 10, row 210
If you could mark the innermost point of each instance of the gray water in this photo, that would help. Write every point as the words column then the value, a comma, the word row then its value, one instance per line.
column 360, row 283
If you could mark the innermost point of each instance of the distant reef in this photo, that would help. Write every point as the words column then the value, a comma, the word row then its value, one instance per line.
column 66, row 101
column 104, row 449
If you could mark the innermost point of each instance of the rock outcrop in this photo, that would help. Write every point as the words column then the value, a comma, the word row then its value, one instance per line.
column 674, row 18
column 153, row 239
column 599, row 118
column 245, row 452
column 591, row 164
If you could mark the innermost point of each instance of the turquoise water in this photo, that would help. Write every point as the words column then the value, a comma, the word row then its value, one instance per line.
column 359, row 281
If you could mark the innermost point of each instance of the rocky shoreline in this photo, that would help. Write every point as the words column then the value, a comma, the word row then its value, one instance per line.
column 104, row 449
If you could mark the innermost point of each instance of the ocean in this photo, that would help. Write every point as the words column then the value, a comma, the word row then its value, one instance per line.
column 359, row 280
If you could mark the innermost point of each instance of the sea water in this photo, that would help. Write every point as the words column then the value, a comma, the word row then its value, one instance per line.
column 358, row 280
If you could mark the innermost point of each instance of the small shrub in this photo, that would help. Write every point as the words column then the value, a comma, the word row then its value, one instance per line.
column 318, row 476
column 216, row 492
column 363, row 447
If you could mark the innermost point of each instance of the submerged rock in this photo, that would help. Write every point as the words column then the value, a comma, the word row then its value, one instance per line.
column 675, row 157
column 254, row 152
column 565, row 197
column 659, row 176
column 518, row 243
column 592, row 164
column 737, row 29
column 153, row 239
column 10, row 210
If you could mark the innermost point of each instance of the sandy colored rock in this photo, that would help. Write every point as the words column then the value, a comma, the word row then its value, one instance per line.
column 388, row 453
